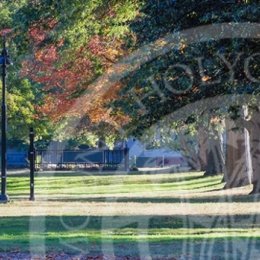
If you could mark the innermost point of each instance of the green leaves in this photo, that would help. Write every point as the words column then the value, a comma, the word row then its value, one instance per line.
column 209, row 62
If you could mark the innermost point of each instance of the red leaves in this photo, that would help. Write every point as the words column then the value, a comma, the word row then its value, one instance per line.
column 95, row 45
column 55, row 106
column 48, row 55
column 5, row 31
column 39, row 30
column 37, row 35
column 63, row 80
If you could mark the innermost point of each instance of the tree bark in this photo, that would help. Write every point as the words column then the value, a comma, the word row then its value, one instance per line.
column 215, row 155
column 254, row 133
column 238, row 171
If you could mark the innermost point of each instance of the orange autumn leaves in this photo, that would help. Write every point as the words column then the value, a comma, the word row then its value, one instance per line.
column 65, row 75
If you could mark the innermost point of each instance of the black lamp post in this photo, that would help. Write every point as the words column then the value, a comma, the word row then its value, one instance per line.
column 4, row 61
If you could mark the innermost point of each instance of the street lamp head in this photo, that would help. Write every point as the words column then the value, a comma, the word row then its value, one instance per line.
column 5, row 58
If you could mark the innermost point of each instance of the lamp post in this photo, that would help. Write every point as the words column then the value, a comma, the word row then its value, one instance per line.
column 32, row 163
column 4, row 61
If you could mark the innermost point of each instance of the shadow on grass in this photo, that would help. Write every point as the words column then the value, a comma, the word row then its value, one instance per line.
column 55, row 224
column 210, row 199
column 17, row 182
column 94, row 173
column 124, row 233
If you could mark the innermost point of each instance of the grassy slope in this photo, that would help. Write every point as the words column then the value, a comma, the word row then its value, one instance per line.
column 125, row 194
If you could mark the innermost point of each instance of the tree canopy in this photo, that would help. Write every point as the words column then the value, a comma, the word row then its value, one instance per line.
column 61, row 48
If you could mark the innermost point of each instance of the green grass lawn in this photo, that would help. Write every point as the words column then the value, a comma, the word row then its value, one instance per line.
column 136, row 214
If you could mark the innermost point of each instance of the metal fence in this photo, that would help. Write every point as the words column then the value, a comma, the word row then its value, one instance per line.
column 162, row 161
column 82, row 159
column 95, row 159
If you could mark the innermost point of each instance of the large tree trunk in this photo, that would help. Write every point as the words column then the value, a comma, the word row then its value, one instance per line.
column 215, row 155
column 254, row 133
column 238, row 170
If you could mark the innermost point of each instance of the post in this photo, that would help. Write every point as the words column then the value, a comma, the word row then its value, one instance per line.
column 32, row 163
column 163, row 161
column 126, row 158
column 4, row 62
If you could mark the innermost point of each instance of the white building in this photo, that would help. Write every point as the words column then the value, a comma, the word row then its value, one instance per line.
column 160, row 157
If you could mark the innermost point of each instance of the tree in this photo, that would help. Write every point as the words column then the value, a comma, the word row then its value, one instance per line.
column 70, row 50
column 238, row 168
column 252, row 126
column 146, row 97
column 73, row 48
column 22, row 95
